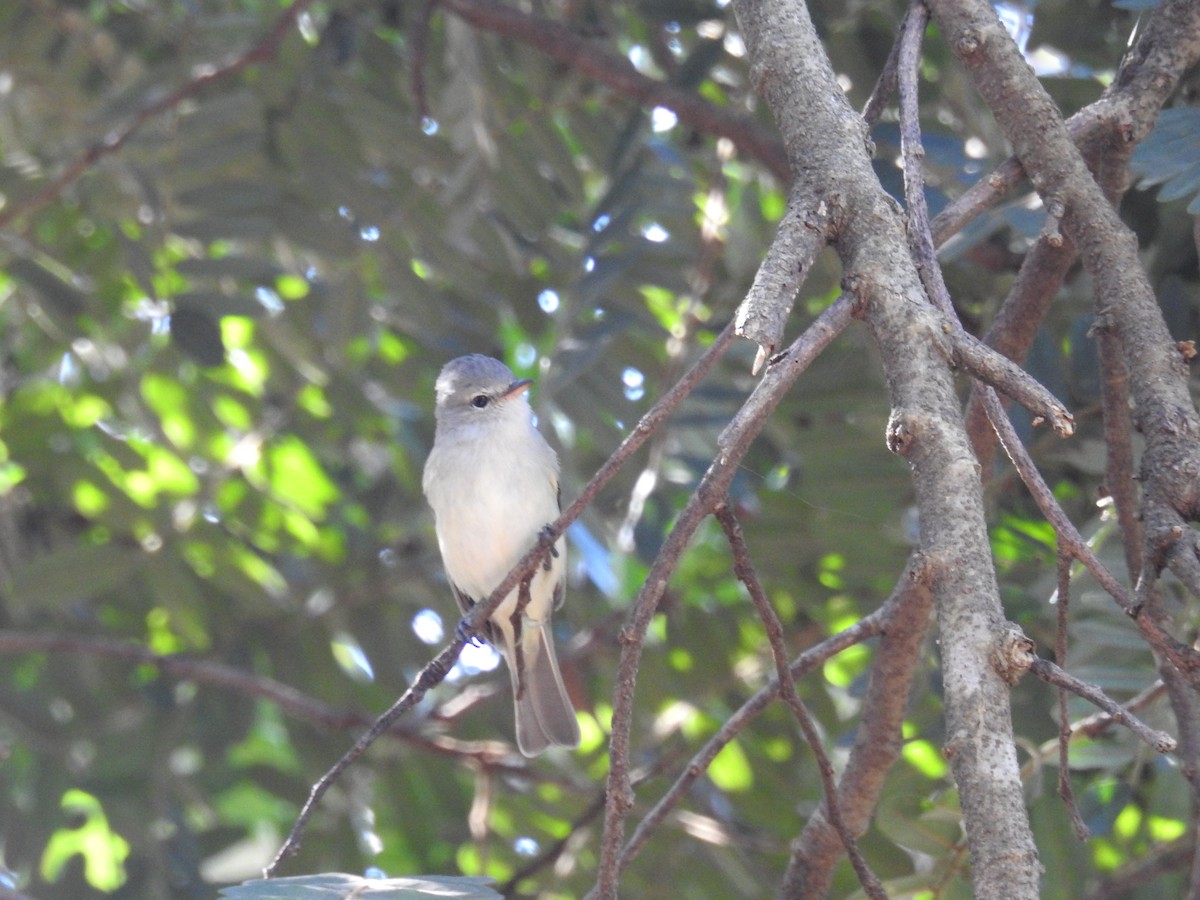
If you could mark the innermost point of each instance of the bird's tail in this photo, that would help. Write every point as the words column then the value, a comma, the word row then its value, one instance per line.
column 544, row 714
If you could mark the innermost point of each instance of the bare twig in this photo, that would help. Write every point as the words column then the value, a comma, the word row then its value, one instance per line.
column 744, row 569
column 885, row 85
column 428, row 678
column 1185, row 658
column 1002, row 373
column 864, row 629
column 1052, row 674
column 1096, row 724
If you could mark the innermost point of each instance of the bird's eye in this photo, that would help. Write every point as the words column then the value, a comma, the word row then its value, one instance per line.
column 479, row 401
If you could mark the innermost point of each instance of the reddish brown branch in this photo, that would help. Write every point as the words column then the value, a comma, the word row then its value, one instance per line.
column 743, row 568
column 864, row 629
column 879, row 736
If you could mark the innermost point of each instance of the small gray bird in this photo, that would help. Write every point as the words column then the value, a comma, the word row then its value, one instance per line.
column 492, row 481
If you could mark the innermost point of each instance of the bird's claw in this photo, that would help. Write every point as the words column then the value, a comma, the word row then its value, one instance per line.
column 465, row 633
column 548, row 536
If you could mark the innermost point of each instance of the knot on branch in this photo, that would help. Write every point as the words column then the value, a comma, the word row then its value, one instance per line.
column 901, row 433
column 968, row 44
column 1012, row 654
column 855, row 285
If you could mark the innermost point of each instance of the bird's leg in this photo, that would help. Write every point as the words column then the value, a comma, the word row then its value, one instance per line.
column 546, row 536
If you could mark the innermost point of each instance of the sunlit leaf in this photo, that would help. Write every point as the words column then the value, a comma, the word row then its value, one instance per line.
column 103, row 850
column 731, row 770
column 296, row 477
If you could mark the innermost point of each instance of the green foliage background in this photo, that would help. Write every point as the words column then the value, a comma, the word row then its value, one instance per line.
column 219, row 347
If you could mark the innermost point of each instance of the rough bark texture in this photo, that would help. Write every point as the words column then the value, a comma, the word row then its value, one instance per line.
column 826, row 143
column 1125, row 302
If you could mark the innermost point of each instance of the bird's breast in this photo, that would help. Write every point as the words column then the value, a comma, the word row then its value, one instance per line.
column 489, row 507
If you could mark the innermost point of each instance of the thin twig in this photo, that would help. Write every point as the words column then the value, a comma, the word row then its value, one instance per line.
column 1097, row 723
column 1182, row 656
column 885, row 85
column 1052, row 674
column 429, row 677
column 1002, row 373
column 743, row 568
column 920, row 237
column 864, row 629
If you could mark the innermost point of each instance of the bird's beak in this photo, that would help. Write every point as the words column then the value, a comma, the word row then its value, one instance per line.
column 517, row 387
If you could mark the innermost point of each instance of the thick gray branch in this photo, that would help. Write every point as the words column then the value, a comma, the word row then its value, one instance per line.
column 826, row 145
column 800, row 237
column 1125, row 302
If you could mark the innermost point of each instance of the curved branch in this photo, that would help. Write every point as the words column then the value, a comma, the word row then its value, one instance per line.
column 1002, row 373
column 744, row 570
column 615, row 71
column 1160, row 741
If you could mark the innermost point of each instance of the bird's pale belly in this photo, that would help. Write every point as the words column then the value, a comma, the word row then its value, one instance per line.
column 488, row 538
